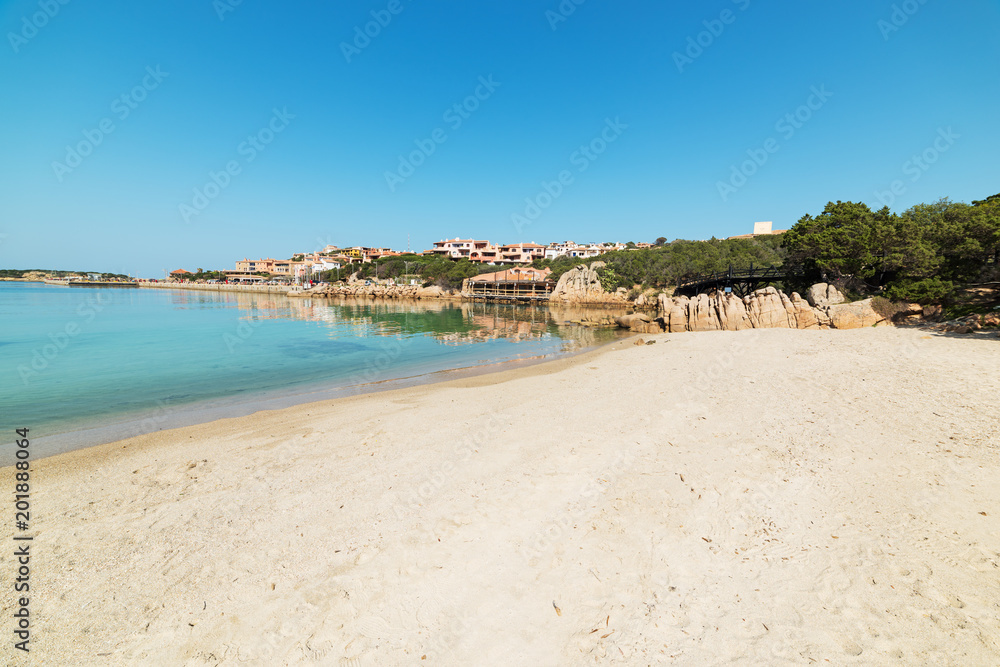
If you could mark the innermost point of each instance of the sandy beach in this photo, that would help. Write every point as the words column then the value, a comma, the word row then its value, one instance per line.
column 757, row 497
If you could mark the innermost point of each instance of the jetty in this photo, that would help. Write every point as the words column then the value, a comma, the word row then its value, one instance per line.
column 80, row 282
column 512, row 285
column 101, row 283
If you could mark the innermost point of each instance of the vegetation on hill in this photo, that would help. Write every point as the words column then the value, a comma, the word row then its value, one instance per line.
column 432, row 269
column 924, row 254
column 21, row 273
column 921, row 255
column 667, row 264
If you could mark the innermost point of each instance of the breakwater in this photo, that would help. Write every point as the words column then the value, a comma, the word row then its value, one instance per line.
column 264, row 289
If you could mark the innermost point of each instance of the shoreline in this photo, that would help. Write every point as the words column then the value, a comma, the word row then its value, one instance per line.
column 721, row 497
column 459, row 378
column 200, row 413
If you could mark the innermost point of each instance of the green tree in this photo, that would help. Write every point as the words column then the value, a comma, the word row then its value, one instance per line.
column 966, row 238
column 846, row 242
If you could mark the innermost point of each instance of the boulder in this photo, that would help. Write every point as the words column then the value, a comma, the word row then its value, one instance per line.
column 786, row 302
column 653, row 327
column 732, row 313
column 664, row 304
column 633, row 321
column 966, row 324
column 581, row 284
column 702, row 315
column 909, row 313
column 932, row 313
column 807, row 317
column 431, row 292
column 677, row 315
column 856, row 315
column 647, row 299
column 824, row 294
column 766, row 309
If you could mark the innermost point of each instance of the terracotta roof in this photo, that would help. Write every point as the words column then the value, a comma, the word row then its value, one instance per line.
column 514, row 274
column 458, row 240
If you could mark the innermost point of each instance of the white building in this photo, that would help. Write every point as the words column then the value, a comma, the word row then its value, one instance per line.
column 587, row 251
column 556, row 249
column 314, row 265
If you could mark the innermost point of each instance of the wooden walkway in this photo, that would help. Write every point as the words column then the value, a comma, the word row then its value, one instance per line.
column 741, row 282
column 509, row 290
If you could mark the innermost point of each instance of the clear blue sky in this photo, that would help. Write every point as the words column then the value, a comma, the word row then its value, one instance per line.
column 323, row 177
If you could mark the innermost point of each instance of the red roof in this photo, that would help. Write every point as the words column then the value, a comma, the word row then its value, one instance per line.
column 514, row 274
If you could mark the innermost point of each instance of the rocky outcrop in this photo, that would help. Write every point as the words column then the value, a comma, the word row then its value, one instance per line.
column 733, row 314
column 581, row 284
column 632, row 321
column 675, row 313
column 639, row 323
column 766, row 308
column 968, row 324
column 823, row 294
column 855, row 315
column 376, row 291
column 807, row 317
column 431, row 292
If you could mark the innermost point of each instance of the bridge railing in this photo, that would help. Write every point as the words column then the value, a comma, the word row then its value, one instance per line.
column 751, row 274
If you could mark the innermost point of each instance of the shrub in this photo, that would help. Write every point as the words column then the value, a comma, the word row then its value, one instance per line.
column 928, row 290
column 887, row 309
column 610, row 281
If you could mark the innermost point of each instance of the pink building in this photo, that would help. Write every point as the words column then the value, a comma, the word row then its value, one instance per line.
column 522, row 253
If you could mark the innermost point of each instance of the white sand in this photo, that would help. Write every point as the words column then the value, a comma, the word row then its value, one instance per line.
column 761, row 497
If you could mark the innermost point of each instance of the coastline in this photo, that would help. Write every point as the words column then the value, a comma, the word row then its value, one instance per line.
column 713, row 497
column 170, row 417
column 259, row 289
column 410, row 342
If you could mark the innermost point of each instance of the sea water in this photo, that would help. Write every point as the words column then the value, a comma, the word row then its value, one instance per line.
column 80, row 366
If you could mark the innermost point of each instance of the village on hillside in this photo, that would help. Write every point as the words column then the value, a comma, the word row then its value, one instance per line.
column 305, row 266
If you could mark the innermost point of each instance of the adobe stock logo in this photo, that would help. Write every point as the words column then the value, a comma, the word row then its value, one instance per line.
column 899, row 17
column 218, row 181
column 697, row 44
column 122, row 106
column 455, row 116
column 30, row 26
column 223, row 7
column 566, row 9
column 788, row 125
column 918, row 165
column 581, row 158
column 363, row 36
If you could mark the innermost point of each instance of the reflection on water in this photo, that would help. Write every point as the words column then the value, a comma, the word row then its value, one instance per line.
column 136, row 351
column 450, row 322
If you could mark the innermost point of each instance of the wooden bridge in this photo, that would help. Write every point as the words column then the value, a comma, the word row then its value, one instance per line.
column 741, row 282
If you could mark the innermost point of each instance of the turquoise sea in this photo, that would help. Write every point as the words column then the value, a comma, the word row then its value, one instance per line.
column 81, row 366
